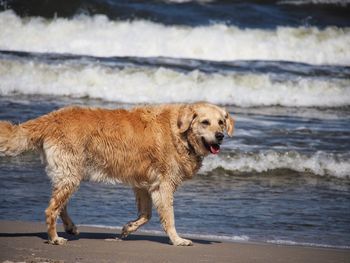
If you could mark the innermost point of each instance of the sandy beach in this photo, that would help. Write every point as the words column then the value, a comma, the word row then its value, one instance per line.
column 26, row 242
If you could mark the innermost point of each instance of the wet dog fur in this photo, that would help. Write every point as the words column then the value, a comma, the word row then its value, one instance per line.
column 152, row 148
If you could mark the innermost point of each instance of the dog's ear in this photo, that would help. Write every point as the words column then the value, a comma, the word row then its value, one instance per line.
column 229, row 124
column 185, row 118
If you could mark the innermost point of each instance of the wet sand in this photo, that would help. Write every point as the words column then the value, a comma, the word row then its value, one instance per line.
column 26, row 242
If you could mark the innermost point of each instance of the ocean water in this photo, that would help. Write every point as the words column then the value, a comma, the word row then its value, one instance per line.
column 282, row 68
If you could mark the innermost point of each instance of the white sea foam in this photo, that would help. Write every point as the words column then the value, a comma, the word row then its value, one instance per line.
column 160, row 85
column 294, row 243
column 234, row 238
column 320, row 163
column 99, row 36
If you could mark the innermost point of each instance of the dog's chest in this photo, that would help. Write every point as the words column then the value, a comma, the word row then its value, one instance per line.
column 190, row 166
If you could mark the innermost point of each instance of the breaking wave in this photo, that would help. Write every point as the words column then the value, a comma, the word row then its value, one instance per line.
column 99, row 36
column 320, row 163
column 162, row 85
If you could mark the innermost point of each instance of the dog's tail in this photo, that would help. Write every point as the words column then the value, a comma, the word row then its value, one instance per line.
column 14, row 139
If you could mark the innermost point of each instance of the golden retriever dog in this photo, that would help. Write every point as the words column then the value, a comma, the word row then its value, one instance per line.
column 151, row 148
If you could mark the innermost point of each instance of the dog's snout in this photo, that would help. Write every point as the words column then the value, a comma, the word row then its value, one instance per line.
column 219, row 136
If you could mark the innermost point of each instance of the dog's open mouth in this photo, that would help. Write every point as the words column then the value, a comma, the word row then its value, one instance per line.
column 214, row 148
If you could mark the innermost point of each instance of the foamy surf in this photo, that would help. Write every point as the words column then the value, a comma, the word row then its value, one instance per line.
column 319, row 163
column 99, row 36
column 162, row 85
column 225, row 238
column 307, row 244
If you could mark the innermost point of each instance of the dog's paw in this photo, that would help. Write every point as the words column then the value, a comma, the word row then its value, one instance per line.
column 124, row 233
column 58, row 241
column 72, row 230
column 182, row 242
column 126, row 230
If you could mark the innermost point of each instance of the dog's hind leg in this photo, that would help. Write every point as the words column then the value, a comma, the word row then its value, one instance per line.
column 144, row 205
column 64, row 167
column 60, row 196
column 68, row 224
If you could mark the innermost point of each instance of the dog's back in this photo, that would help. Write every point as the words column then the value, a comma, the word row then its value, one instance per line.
column 101, row 144
column 95, row 144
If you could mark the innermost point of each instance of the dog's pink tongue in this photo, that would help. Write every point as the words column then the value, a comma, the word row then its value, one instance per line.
column 214, row 149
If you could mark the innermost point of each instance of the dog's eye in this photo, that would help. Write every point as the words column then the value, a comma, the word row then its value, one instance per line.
column 221, row 122
column 205, row 122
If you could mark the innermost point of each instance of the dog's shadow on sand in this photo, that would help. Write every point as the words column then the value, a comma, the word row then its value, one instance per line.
column 105, row 236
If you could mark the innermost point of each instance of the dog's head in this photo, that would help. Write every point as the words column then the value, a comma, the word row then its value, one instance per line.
column 204, row 125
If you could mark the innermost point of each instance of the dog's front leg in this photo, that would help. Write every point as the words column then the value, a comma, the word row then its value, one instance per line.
column 163, row 199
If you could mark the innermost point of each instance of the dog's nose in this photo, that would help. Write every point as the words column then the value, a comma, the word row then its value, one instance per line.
column 219, row 136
